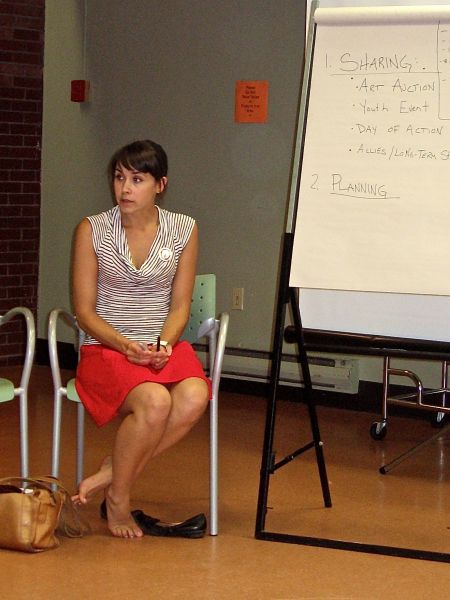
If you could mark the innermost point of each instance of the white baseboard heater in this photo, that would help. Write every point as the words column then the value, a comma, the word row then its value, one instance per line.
column 332, row 374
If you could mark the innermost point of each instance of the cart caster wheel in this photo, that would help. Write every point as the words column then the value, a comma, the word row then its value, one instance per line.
column 378, row 430
column 438, row 420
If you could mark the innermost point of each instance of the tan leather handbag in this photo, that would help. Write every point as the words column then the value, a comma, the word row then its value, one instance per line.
column 32, row 510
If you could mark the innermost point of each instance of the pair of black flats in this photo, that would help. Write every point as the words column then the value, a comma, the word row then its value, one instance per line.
column 195, row 527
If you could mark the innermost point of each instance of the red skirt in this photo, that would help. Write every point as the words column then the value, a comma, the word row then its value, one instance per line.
column 105, row 377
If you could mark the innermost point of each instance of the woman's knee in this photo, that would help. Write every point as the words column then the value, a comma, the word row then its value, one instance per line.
column 192, row 399
column 150, row 404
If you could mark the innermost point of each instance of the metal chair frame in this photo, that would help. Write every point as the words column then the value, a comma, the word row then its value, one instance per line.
column 8, row 391
column 202, row 323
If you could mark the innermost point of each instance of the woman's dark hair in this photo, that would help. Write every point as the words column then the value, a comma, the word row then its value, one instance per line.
column 144, row 156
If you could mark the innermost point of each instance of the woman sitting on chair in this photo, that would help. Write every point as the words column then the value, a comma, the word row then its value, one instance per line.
column 133, row 276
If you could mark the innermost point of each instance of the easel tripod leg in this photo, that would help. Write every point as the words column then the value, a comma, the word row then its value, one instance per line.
column 318, row 444
column 277, row 348
column 286, row 294
column 267, row 456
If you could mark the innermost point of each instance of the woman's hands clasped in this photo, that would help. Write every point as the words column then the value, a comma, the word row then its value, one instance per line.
column 142, row 354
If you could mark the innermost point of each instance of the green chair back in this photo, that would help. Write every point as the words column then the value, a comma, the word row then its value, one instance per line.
column 203, row 305
column 6, row 390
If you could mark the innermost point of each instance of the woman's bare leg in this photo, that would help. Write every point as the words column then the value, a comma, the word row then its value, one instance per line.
column 146, row 410
column 189, row 400
column 94, row 483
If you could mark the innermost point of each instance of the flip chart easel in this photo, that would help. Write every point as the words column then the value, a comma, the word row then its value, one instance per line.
column 374, row 176
column 307, row 273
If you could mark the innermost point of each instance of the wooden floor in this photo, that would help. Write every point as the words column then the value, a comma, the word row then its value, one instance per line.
column 409, row 507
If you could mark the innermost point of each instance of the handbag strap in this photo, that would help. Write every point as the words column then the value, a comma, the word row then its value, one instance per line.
column 42, row 482
column 71, row 523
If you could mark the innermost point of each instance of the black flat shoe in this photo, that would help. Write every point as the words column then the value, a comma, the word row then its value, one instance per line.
column 102, row 510
column 194, row 527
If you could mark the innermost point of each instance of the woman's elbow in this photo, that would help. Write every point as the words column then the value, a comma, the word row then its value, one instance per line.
column 83, row 317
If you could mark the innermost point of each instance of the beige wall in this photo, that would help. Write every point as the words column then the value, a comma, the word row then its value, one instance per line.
column 72, row 164
column 167, row 70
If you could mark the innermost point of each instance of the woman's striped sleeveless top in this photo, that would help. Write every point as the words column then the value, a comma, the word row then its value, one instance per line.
column 136, row 301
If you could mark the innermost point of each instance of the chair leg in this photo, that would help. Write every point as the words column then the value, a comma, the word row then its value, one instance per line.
column 80, row 443
column 24, row 452
column 56, row 434
column 213, row 467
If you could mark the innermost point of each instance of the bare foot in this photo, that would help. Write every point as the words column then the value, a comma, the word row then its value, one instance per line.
column 120, row 522
column 95, row 483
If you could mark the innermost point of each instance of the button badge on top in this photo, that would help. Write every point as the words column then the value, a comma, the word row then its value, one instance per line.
column 165, row 254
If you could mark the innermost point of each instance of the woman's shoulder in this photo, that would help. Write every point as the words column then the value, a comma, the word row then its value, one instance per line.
column 103, row 226
column 104, row 218
column 176, row 226
column 174, row 218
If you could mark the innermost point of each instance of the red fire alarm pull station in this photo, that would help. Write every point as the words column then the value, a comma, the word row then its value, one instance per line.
column 79, row 90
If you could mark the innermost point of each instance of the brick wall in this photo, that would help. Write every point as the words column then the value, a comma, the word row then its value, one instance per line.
column 21, row 65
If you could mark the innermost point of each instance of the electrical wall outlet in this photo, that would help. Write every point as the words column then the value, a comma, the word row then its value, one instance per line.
column 237, row 302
